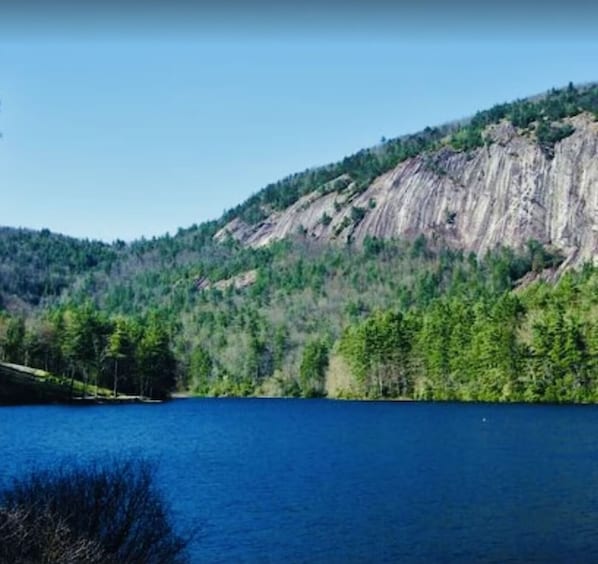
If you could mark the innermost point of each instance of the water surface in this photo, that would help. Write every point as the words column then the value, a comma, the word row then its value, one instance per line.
column 325, row 481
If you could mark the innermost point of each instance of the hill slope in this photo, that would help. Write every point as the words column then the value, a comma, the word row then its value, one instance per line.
column 504, row 193
column 21, row 384
column 518, row 183
column 40, row 264
column 518, row 171
column 402, row 247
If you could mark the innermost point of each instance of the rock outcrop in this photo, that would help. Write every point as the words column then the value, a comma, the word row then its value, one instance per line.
column 504, row 193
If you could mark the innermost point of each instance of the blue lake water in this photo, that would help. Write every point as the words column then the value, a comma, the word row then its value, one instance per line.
column 325, row 481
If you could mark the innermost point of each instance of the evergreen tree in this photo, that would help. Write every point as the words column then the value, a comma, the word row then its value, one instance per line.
column 314, row 363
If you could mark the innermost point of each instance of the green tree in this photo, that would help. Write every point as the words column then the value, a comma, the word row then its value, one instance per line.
column 312, row 371
column 80, row 342
column 13, row 346
column 157, row 365
column 200, row 370
column 378, row 352
column 120, row 349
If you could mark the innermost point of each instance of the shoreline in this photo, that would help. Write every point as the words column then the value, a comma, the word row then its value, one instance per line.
column 130, row 400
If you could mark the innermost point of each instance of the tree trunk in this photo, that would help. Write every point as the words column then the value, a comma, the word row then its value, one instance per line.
column 115, row 392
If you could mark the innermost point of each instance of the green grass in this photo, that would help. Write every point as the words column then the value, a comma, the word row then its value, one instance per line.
column 25, row 385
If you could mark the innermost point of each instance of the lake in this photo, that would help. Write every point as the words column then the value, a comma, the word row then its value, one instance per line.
column 332, row 481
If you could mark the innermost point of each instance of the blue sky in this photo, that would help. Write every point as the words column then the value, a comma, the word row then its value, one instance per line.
column 128, row 134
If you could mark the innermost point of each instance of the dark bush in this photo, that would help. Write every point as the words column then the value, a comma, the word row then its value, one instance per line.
column 110, row 512
column 43, row 537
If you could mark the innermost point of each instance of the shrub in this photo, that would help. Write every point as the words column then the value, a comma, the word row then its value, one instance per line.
column 357, row 214
column 549, row 135
column 110, row 512
column 326, row 219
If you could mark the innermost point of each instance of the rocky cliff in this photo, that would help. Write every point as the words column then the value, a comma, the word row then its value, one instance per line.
column 504, row 193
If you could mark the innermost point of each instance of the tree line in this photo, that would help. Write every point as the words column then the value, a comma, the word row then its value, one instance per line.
column 410, row 319
column 537, row 345
column 125, row 355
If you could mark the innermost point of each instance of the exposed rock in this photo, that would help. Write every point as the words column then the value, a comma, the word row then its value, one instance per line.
column 503, row 194
column 239, row 281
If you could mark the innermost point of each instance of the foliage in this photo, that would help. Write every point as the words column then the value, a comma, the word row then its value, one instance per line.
column 377, row 350
column 539, row 345
column 127, row 355
column 280, row 330
column 40, row 264
column 200, row 371
column 312, row 371
column 549, row 135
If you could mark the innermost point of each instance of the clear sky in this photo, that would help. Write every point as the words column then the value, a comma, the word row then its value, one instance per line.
column 116, row 127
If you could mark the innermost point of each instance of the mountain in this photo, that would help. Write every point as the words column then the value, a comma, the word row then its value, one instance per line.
column 38, row 264
column 507, row 191
column 454, row 263
column 521, row 171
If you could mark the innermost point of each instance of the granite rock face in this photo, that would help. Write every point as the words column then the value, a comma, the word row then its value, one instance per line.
column 505, row 193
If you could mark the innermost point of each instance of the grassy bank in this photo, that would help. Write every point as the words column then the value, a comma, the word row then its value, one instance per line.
column 21, row 385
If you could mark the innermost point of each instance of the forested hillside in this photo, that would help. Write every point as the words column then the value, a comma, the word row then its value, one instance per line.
column 540, row 344
column 412, row 317
column 39, row 264
column 398, row 319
